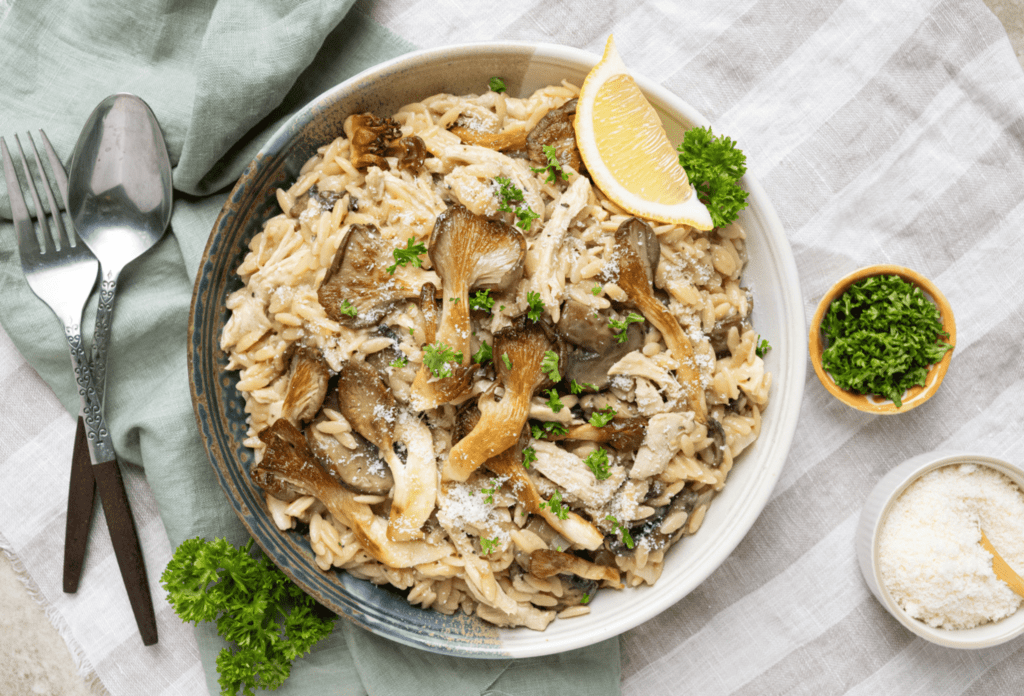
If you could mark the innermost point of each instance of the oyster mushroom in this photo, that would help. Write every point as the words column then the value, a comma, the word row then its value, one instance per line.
column 625, row 434
column 360, row 469
column 369, row 138
column 308, row 377
column 411, row 151
column 634, row 244
column 591, row 368
column 556, row 130
column 468, row 251
column 358, row 276
column 512, row 139
column 428, row 308
column 370, row 407
column 510, row 464
column 715, row 454
column 525, row 345
column 544, row 563
column 289, row 462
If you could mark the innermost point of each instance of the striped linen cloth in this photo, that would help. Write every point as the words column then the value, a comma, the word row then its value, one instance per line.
column 883, row 133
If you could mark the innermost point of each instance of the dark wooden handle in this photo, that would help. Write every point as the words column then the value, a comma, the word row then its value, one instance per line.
column 81, row 494
column 126, row 546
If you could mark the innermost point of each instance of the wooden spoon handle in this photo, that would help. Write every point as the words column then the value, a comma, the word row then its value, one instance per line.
column 1002, row 570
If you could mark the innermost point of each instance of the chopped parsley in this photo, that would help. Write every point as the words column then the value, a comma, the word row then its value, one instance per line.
column 439, row 359
column 410, row 254
column 400, row 362
column 549, row 366
column 453, row 300
column 619, row 529
column 488, row 546
column 585, row 599
column 508, row 363
column 577, row 388
column 597, row 462
column 557, row 507
column 489, row 492
column 762, row 347
column 529, row 457
column 536, row 305
column 714, row 165
column 596, row 290
column 412, row 332
column 883, row 335
column 496, row 84
column 621, row 326
column 347, row 308
column 512, row 201
column 539, row 430
column 554, row 403
column 553, row 167
column 482, row 299
column 483, row 355
column 601, row 418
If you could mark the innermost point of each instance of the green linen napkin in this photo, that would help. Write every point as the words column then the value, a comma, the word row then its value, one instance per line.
column 221, row 77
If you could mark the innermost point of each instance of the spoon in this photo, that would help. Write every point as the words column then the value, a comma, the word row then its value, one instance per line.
column 119, row 191
column 1002, row 570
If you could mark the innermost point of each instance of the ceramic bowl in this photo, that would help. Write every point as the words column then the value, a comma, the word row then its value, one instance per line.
column 872, row 403
column 778, row 316
column 872, row 518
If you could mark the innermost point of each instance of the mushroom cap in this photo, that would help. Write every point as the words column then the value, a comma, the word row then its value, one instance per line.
column 308, row 379
column 369, row 138
column 368, row 405
column 359, row 275
column 472, row 251
column 556, row 129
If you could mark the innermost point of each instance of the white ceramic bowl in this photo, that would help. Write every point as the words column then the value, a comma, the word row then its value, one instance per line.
column 872, row 517
column 778, row 316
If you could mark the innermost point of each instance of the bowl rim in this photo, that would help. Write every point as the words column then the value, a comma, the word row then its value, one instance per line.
column 871, row 403
column 789, row 391
column 897, row 481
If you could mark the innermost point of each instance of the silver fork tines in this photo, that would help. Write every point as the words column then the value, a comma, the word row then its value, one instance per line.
column 59, row 269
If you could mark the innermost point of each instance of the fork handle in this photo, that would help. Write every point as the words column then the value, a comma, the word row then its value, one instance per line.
column 81, row 496
column 101, row 334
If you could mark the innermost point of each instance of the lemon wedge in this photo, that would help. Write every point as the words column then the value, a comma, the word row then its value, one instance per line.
column 627, row 151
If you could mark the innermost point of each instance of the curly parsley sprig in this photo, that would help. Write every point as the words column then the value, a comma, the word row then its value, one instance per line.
column 714, row 165
column 270, row 621
column 410, row 254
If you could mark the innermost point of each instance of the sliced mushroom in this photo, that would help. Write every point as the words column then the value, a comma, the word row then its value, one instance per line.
column 634, row 242
column 428, row 308
column 581, row 326
column 411, row 152
column 359, row 277
column 715, row 454
column 510, row 464
column 556, row 130
column 360, row 469
column 308, row 377
column 649, row 531
column 369, row 138
column 511, row 139
column 524, row 344
column 468, row 251
column 544, row 563
column 370, row 407
column 625, row 434
column 296, row 467
column 591, row 369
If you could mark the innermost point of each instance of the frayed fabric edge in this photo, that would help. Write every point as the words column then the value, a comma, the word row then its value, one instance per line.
column 83, row 666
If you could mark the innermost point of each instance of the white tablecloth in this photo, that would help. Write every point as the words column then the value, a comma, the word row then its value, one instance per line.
column 883, row 133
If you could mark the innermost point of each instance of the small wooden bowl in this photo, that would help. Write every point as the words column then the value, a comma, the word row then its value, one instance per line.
column 872, row 403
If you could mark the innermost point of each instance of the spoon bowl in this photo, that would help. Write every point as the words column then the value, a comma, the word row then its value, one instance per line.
column 119, row 197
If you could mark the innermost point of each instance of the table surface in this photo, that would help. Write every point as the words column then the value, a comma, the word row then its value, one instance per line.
column 34, row 659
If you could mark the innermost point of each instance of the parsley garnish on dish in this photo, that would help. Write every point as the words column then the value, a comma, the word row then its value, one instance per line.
column 714, row 165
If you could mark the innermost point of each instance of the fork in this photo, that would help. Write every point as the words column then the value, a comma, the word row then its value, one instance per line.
column 62, row 273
